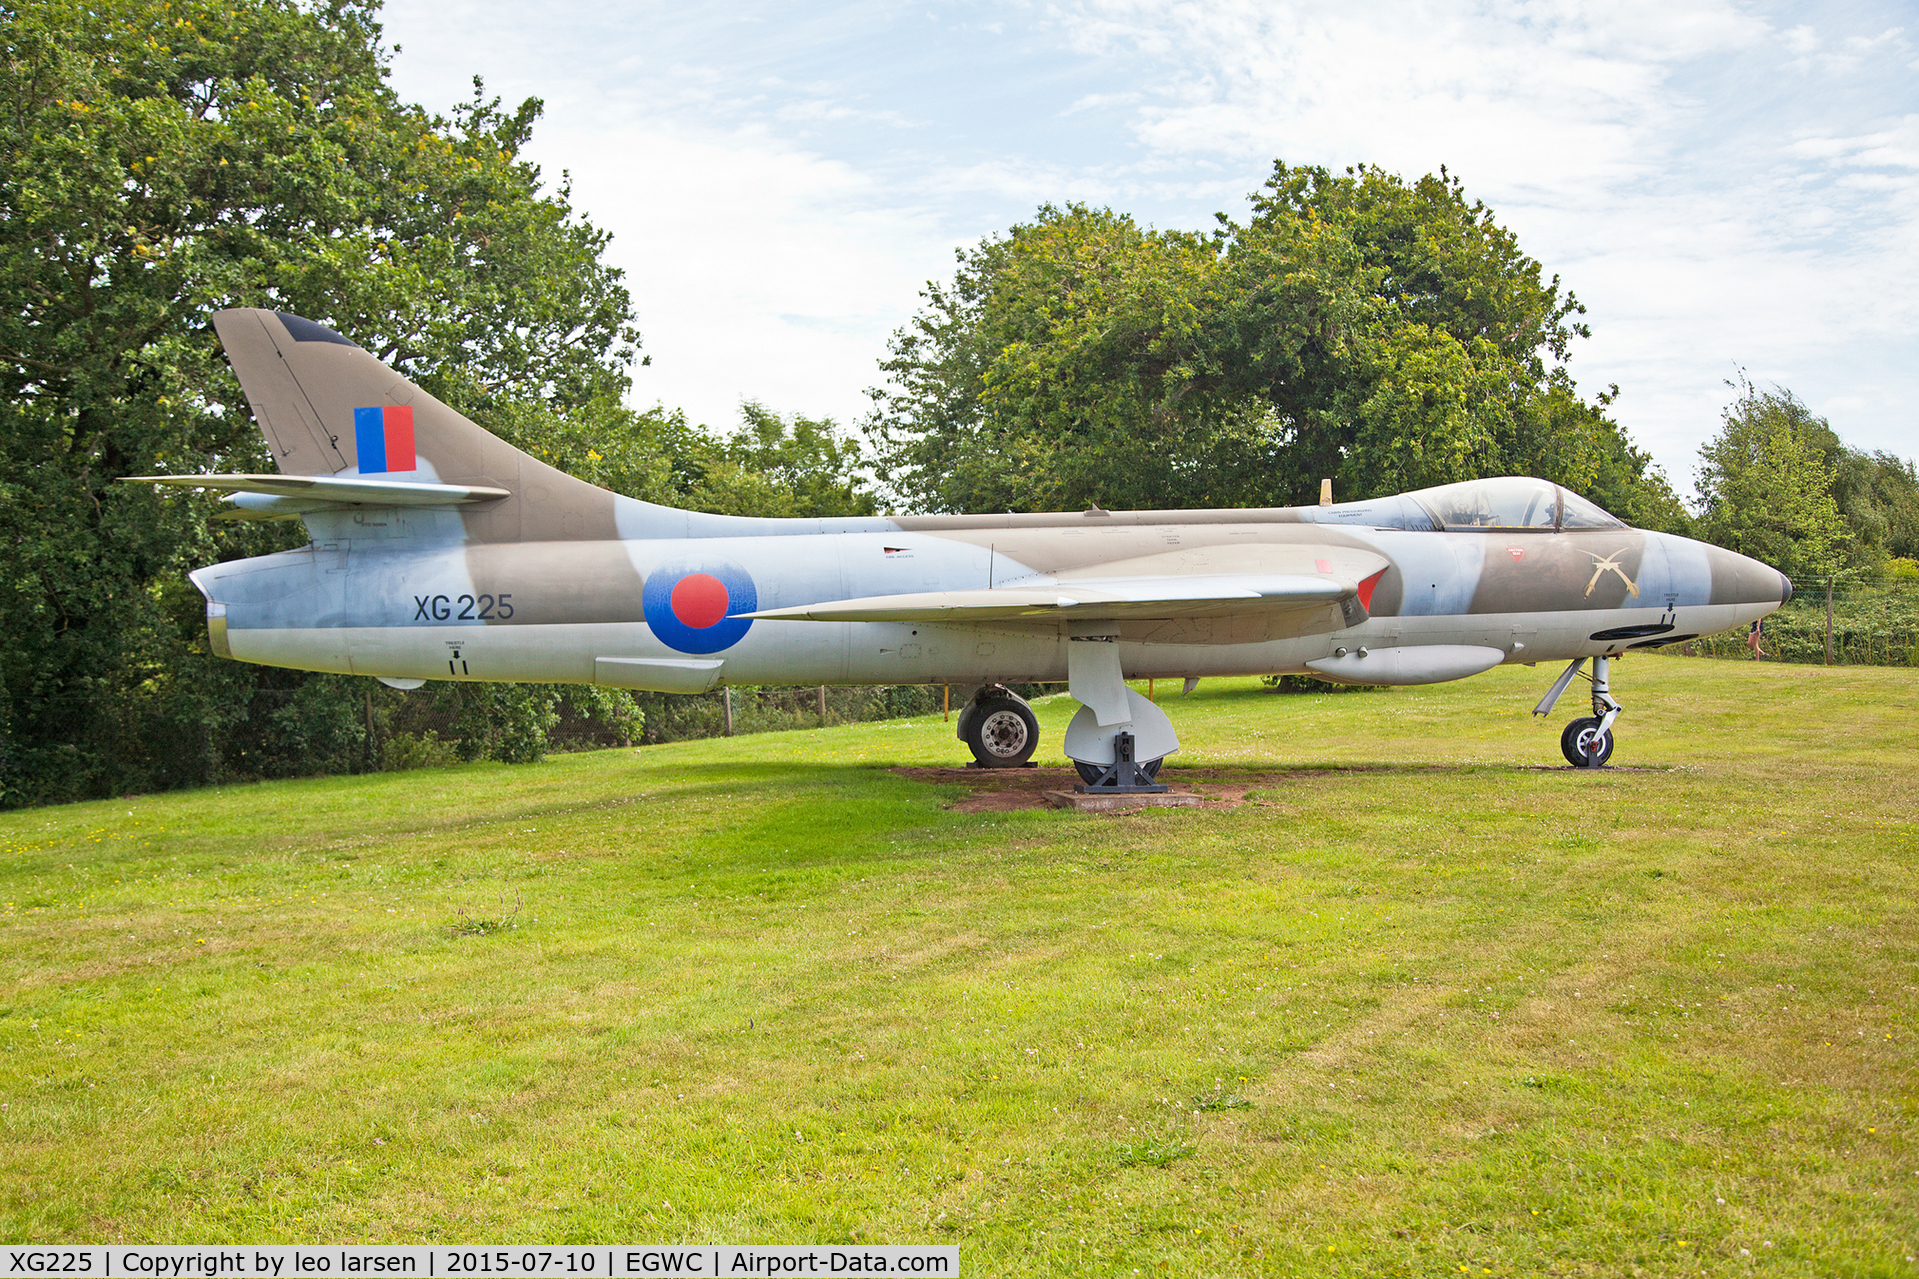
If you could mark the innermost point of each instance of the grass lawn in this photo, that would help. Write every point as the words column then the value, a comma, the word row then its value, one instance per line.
column 1432, row 1005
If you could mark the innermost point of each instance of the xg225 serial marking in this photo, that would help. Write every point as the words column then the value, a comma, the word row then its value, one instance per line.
column 463, row 608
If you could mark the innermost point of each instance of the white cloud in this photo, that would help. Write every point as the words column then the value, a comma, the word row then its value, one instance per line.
column 820, row 111
column 1699, row 241
column 759, row 271
column 1562, row 91
column 1894, row 147
column 1816, row 54
column 1101, row 102
column 781, row 179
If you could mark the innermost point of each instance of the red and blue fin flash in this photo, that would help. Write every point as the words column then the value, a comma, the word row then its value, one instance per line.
column 383, row 439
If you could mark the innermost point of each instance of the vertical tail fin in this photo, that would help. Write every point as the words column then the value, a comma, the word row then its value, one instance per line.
column 329, row 408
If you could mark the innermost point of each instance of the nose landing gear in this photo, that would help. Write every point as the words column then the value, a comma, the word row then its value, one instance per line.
column 1587, row 742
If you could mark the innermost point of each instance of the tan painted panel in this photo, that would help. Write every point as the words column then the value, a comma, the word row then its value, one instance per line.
column 1586, row 570
column 301, row 445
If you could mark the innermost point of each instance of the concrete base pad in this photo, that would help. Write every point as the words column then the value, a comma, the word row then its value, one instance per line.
column 1081, row 801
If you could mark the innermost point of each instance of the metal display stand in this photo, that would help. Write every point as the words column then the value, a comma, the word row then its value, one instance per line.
column 1124, row 776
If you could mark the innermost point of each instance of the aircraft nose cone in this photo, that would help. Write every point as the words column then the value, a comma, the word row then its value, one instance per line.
column 1785, row 589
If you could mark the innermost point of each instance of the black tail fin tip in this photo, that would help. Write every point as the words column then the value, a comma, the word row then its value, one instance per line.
column 303, row 330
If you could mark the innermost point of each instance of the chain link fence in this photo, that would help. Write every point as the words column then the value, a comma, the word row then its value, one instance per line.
column 417, row 730
column 1870, row 626
column 672, row 717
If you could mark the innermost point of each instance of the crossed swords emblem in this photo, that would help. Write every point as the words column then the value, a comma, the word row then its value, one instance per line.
column 1610, row 564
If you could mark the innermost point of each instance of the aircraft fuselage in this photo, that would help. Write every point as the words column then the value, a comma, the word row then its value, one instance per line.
column 372, row 602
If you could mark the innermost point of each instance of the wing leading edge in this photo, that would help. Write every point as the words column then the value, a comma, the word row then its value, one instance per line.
column 1095, row 599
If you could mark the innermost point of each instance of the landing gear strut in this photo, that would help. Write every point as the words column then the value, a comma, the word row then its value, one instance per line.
column 1587, row 741
column 1118, row 738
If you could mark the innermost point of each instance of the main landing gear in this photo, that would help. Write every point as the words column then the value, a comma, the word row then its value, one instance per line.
column 1587, row 741
column 999, row 728
column 1117, row 739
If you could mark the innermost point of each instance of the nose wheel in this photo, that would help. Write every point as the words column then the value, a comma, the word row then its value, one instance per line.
column 1587, row 741
column 1585, row 744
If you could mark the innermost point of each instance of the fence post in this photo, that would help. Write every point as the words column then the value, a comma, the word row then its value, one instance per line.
column 822, row 706
column 1829, row 621
column 726, row 700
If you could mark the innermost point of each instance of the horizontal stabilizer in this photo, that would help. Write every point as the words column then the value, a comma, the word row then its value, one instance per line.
column 1083, row 598
column 270, row 497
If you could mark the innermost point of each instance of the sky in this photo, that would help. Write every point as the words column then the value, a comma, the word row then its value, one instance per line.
column 1726, row 186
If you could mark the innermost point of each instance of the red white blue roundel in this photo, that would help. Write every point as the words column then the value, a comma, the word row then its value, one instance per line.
column 693, row 605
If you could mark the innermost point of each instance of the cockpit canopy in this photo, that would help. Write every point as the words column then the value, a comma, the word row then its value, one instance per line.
column 1508, row 503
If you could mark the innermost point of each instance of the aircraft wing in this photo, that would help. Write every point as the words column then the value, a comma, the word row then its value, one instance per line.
column 1091, row 599
column 273, row 497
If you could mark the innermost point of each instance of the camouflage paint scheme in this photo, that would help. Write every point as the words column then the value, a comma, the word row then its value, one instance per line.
column 483, row 563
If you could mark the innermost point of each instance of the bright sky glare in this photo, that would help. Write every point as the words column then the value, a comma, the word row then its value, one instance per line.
column 1724, row 184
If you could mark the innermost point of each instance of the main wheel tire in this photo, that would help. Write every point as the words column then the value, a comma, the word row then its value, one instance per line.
column 1003, row 733
column 1577, row 741
column 1090, row 773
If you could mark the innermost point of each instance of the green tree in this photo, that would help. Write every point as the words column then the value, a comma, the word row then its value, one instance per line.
column 774, row 466
column 159, row 161
column 1879, row 496
column 1055, row 354
column 1630, row 485
column 1765, row 486
column 781, row 466
column 1876, row 493
column 1385, row 333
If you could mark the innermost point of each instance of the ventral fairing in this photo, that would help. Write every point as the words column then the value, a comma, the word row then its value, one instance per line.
column 439, row 551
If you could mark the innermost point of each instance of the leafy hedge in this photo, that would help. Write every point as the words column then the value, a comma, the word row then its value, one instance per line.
column 1871, row 626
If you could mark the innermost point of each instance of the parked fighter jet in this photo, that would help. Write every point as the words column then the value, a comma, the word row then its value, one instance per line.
column 441, row 552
